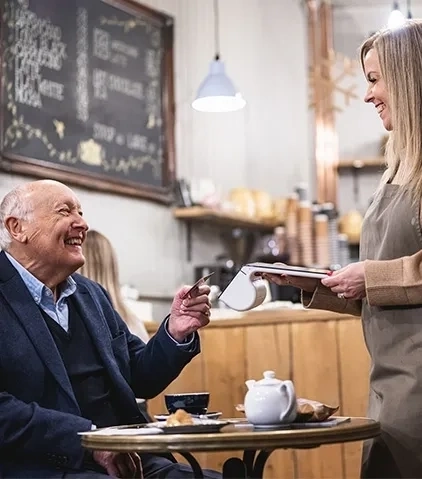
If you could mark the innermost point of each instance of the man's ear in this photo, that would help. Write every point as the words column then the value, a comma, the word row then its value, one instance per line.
column 16, row 229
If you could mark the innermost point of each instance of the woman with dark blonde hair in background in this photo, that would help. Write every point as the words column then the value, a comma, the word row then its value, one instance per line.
column 101, row 266
column 385, row 286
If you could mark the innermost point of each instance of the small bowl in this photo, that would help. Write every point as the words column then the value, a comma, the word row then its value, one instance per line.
column 193, row 403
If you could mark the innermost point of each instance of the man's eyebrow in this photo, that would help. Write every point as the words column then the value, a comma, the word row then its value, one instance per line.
column 69, row 203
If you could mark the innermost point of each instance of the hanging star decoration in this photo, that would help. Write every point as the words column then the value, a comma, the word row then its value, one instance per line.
column 326, row 81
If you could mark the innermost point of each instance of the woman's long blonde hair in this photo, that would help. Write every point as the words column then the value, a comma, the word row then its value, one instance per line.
column 101, row 266
column 400, row 57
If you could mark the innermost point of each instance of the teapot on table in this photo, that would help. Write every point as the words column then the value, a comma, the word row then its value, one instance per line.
column 270, row 401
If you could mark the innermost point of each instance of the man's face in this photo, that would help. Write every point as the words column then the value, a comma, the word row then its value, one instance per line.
column 54, row 235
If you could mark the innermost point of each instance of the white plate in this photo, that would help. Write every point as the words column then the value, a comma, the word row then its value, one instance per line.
column 126, row 431
column 209, row 415
column 199, row 426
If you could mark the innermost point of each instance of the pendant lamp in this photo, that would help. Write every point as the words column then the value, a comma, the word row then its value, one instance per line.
column 217, row 92
column 396, row 18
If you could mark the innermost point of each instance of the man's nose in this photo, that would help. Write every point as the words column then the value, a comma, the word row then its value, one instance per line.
column 80, row 223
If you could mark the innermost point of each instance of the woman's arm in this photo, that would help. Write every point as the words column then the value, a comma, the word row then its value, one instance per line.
column 315, row 295
column 394, row 282
column 324, row 298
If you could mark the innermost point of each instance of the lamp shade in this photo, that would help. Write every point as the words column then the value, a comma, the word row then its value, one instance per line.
column 217, row 92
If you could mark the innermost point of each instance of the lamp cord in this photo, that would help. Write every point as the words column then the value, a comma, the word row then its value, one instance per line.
column 409, row 12
column 216, row 30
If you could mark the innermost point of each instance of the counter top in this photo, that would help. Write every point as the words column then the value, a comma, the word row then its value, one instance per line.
column 273, row 316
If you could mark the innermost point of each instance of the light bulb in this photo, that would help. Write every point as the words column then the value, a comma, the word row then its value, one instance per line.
column 396, row 19
column 218, row 104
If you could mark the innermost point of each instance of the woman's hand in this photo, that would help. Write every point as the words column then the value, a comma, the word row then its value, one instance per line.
column 348, row 282
column 306, row 284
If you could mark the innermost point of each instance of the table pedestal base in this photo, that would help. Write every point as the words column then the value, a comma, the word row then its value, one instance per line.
column 250, row 467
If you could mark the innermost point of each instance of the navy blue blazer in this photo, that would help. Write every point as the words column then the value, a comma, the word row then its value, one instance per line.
column 39, row 415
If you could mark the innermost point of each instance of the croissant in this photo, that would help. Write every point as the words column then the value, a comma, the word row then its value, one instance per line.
column 179, row 418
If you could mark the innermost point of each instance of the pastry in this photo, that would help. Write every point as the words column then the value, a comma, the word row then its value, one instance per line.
column 179, row 418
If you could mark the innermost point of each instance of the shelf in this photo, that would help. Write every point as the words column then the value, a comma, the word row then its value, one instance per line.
column 222, row 218
column 375, row 162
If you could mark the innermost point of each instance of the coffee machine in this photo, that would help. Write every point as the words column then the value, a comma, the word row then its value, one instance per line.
column 224, row 272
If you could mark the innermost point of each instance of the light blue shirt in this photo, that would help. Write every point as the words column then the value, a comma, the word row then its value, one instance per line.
column 58, row 310
column 43, row 296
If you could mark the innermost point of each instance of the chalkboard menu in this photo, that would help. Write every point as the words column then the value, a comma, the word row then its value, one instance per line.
column 87, row 94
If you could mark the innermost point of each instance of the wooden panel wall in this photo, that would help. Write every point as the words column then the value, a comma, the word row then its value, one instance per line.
column 326, row 359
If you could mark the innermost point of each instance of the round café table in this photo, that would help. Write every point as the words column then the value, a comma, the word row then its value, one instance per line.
column 256, row 444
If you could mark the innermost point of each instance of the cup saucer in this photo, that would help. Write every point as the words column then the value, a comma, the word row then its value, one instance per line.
column 209, row 415
column 271, row 427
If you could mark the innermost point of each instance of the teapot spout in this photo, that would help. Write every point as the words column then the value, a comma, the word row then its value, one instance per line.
column 250, row 383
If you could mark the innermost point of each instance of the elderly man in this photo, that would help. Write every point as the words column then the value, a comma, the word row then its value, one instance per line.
column 68, row 363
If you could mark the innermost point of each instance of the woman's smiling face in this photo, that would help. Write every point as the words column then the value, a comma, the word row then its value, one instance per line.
column 377, row 91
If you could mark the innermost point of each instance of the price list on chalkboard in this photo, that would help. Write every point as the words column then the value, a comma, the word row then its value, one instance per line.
column 87, row 94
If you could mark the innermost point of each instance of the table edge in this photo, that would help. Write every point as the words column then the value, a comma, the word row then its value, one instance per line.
column 234, row 441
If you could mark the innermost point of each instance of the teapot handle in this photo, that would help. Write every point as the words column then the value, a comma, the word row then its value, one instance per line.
column 289, row 415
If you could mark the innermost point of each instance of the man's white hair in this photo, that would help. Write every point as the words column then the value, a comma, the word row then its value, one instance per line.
column 16, row 203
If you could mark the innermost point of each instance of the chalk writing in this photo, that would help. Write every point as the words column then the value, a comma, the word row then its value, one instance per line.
column 103, row 81
column 82, row 96
column 122, row 47
column 104, row 132
column 38, row 44
column 101, row 43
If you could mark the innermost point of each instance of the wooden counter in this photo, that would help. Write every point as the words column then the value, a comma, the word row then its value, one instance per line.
column 322, row 352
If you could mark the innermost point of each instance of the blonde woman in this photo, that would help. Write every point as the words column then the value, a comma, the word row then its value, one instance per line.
column 101, row 266
column 385, row 286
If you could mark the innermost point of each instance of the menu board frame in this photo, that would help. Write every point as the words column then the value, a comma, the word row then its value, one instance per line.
column 101, row 181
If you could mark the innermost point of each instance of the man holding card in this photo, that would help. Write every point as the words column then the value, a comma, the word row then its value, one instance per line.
column 68, row 363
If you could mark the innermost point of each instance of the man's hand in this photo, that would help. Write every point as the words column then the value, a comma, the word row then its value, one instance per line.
column 187, row 315
column 119, row 464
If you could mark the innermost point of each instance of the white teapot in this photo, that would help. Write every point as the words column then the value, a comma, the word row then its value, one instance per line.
column 270, row 401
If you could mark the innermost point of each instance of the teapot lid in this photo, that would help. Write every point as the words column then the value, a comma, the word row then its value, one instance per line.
column 269, row 379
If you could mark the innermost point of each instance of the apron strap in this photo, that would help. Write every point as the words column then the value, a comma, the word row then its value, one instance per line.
column 391, row 178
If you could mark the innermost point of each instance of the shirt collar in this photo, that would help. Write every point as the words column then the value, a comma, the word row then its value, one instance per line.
column 36, row 287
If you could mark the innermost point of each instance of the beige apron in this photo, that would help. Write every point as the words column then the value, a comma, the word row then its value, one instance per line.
column 393, row 335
